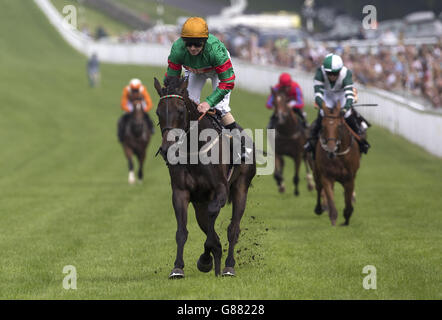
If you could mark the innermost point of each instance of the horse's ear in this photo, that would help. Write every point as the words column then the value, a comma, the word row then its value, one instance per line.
column 183, row 85
column 157, row 86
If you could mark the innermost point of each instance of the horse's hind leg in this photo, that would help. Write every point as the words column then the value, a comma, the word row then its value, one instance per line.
column 239, row 200
column 205, row 261
column 279, row 166
column 348, row 194
column 180, row 200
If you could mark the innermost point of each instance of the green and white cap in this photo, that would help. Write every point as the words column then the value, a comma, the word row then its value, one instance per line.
column 332, row 63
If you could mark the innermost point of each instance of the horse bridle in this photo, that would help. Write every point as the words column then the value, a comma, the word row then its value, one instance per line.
column 323, row 141
column 167, row 97
column 292, row 115
column 168, row 127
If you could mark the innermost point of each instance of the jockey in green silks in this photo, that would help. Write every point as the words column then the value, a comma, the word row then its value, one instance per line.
column 333, row 83
column 204, row 56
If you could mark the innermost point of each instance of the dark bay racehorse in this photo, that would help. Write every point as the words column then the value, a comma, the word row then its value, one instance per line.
column 337, row 159
column 206, row 186
column 136, row 138
column 290, row 138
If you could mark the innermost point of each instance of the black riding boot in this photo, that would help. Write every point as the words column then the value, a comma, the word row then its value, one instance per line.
column 121, row 126
column 272, row 121
column 301, row 115
column 354, row 125
column 314, row 133
column 245, row 152
column 149, row 123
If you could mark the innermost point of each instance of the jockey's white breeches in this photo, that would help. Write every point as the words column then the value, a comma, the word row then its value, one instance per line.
column 196, row 84
column 331, row 99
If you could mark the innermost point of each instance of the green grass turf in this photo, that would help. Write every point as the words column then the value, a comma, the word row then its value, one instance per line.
column 92, row 18
column 149, row 8
column 65, row 200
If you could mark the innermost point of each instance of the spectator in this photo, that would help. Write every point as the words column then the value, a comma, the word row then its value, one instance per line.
column 403, row 68
column 93, row 70
column 100, row 33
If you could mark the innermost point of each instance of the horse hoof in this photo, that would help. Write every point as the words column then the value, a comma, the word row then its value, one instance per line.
column 344, row 224
column 228, row 272
column 296, row 193
column 333, row 223
column 281, row 189
column 176, row 273
column 204, row 267
column 318, row 210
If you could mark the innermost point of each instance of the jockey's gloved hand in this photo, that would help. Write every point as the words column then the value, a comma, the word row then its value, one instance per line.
column 292, row 103
column 343, row 111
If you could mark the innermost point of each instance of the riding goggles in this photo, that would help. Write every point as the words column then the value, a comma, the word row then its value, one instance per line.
column 336, row 73
column 195, row 42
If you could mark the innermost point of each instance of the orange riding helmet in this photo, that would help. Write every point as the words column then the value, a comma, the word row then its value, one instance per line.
column 195, row 27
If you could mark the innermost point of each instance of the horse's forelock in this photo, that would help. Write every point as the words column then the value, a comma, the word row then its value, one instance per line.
column 172, row 85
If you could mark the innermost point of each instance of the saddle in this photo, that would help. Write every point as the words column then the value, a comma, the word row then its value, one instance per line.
column 215, row 117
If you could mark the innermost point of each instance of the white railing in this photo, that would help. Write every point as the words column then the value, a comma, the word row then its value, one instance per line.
column 397, row 114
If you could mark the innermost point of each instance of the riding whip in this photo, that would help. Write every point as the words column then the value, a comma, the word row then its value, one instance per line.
column 365, row 105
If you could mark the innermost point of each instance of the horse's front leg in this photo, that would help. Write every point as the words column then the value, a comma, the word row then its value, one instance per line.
column 328, row 189
column 348, row 195
column 180, row 200
column 297, row 159
column 141, row 158
column 278, row 174
column 319, row 209
column 129, row 154
column 213, row 242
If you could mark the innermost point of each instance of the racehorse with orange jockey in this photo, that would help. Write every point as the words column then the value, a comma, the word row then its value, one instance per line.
column 295, row 99
column 135, row 91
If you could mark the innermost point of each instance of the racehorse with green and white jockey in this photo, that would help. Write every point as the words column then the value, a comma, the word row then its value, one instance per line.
column 333, row 83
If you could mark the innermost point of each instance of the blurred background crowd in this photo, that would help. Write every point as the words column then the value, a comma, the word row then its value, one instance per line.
column 414, row 69
column 402, row 54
